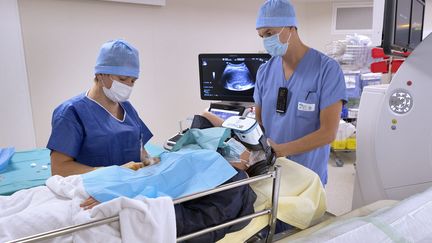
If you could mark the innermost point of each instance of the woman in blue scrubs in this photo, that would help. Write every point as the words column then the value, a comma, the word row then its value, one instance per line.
column 299, row 92
column 100, row 127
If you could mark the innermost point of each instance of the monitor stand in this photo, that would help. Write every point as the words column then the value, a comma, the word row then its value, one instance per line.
column 231, row 105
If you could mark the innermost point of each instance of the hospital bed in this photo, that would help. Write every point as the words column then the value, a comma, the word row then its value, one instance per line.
column 26, row 169
column 383, row 221
column 275, row 175
column 273, row 200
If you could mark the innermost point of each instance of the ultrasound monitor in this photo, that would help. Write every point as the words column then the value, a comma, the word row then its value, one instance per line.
column 229, row 77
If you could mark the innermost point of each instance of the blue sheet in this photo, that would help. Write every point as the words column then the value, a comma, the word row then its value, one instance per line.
column 20, row 174
column 5, row 157
column 178, row 174
column 209, row 138
column 154, row 150
column 26, row 169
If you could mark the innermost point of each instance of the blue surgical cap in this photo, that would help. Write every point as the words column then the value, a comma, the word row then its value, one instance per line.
column 276, row 13
column 118, row 57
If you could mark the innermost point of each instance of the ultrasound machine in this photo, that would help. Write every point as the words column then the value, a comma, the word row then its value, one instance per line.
column 228, row 80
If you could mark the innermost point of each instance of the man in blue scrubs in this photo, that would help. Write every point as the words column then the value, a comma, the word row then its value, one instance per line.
column 100, row 127
column 299, row 92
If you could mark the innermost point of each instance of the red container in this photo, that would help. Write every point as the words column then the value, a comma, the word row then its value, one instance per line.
column 396, row 64
column 378, row 53
column 379, row 67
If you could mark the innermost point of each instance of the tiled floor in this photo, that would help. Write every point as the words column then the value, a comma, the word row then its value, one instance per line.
column 340, row 184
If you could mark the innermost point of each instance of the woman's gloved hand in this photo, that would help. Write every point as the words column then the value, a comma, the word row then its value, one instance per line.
column 133, row 165
column 147, row 160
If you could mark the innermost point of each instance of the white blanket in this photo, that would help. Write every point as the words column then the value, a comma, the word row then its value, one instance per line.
column 56, row 205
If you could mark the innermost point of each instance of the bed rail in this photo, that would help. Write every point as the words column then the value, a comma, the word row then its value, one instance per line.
column 275, row 175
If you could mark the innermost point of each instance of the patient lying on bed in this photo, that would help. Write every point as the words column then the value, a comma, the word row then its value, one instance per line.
column 241, row 157
column 58, row 204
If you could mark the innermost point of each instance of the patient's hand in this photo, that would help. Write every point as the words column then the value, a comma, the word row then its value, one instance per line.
column 89, row 203
column 243, row 162
column 241, row 165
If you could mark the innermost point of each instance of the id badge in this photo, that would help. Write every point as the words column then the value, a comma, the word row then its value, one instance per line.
column 282, row 100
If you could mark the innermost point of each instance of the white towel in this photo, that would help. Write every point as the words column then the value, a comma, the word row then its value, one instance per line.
column 40, row 209
column 141, row 219
column 56, row 205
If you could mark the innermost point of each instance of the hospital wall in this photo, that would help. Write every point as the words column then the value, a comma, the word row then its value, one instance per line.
column 16, row 121
column 315, row 23
column 61, row 39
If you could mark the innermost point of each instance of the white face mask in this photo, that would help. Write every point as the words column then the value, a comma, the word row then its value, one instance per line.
column 235, row 148
column 274, row 46
column 118, row 92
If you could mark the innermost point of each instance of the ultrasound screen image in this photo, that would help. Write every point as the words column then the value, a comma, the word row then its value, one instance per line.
column 237, row 77
column 229, row 77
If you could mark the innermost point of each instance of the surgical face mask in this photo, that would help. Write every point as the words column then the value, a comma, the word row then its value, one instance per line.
column 235, row 148
column 273, row 45
column 118, row 92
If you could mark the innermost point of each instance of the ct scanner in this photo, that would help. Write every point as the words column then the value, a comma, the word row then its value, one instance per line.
column 394, row 133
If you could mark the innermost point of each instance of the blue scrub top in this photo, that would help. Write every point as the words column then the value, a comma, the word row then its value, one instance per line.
column 317, row 82
column 84, row 130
